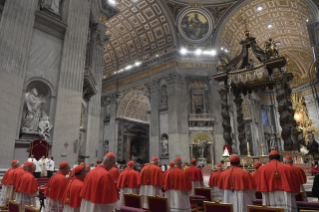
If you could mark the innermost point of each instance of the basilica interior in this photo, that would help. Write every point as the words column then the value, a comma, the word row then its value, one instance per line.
column 158, row 78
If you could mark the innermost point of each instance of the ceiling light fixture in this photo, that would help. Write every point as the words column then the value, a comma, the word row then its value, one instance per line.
column 222, row 48
column 137, row 63
column 183, row 51
column 269, row 26
column 198, row 52
column 307, row 20
column 112, row 2
column 259, row 8
column 213, row 52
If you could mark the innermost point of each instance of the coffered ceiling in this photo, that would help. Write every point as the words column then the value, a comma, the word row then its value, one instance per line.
column 281, row 20
column 140, row 31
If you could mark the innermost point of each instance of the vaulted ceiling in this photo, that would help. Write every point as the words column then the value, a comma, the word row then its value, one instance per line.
column 281, row 20
column 140, row 31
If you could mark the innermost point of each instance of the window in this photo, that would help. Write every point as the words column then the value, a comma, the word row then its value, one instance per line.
column 264, row 117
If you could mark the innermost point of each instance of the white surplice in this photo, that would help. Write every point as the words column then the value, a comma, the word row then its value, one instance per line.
column 281, row 199
column 127, row 191
column 178, row 200
column 149, row 190
column 50, row 165
column 88, row 206
column 26, row 199
column 196, row 184
column 43, row 167
column 52, row 205
column 70, row 209
column 3, row 195
column 216, row 194
column 239, row 198
column 10, row 192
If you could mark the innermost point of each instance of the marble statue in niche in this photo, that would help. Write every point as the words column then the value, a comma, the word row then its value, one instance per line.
column 163, row 96
column 164, row 142
column 105, row 147
column 201, row 147
column 53, row 5
column 35, row 120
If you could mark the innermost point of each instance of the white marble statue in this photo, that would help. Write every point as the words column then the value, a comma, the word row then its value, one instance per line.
column 164, row 143
column 34, row 104
column 44, row 126
column 53, row 5
column 201, row 147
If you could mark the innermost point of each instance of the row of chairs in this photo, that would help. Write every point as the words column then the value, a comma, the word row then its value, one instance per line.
column 15, row 206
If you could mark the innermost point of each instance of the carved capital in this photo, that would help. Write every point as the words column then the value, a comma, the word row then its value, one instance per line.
column 154, row 85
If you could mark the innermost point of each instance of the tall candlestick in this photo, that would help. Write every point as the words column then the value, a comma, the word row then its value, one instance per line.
column 247, row 145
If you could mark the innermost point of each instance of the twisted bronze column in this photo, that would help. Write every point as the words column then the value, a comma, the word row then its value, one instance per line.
column 223, row 91
column 240, row 122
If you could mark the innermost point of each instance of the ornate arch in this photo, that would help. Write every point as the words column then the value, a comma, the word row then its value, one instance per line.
column 135, row 106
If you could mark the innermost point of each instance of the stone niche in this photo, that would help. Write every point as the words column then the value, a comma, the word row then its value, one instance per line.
column 201, row 146
column 35, row 120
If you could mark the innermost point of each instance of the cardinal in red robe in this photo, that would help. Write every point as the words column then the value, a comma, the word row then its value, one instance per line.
column 128, row 181
column 18, row 172
column 115, row 173
column 257, row 164
column 9, row 189
column 301, row 174
column 195, row 175
column 99, row 193
column 27, row 187
column 237, row 186
column 71, row 198
column 88, row 168
column 278, row 184
column 151, row 181
column 56, row 187
column 71, row 175
column 214, row 181
column 171, row 166
column 178, row 187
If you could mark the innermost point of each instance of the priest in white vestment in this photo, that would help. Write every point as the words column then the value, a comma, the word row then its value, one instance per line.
column 178, row 187
column 50, row 166
column 43, row 166
column 278, row 184
column 237, row 186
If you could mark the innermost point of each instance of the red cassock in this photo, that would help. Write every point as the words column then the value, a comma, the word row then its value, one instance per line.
column 71, row 176
column 99, row 187
column 253, row 175
column 73, row 192
column 287, row 181
column 17, row 175
column 301, row 174
column 194, row 173
column 27, row 184
column 151, row 175
column 177, row 179
column 8, row 177
column 114, row 172
column 57, row 186
column 215, row 178
column 128, row 179
column 166, row 172
column 239, row 179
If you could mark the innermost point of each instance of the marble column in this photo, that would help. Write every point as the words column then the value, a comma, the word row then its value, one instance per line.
column 70, row 88
column 154, row 119
column 110, row 127
column 16, row 27
column 178, row 117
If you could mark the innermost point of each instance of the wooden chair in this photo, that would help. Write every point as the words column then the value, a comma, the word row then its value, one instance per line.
column 14, row 206
column 28, row 208
column 217, row 206
column 157, row 204
column 264, row 208
column 206, row 192
column 133, row 200
column 258, row 195
column 300, row 197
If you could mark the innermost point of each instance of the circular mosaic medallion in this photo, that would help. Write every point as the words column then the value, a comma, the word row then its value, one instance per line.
column 195, row 25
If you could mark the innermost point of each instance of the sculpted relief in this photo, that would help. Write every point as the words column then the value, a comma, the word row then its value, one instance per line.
column 53, row 5
column 35, row 120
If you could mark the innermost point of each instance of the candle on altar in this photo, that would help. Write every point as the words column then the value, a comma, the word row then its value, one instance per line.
column 247, row 145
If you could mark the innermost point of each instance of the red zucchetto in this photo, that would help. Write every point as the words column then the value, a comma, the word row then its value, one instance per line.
column 171, row 164
column 30, row 164
column 130, row 163
column 14, row 162
column 63, row 164
column 177, row 159
column 154, row 159
column 234, row 159
column 257, row 164
column 78, row 168
column 110, row 155
column 193, row 160
column 274, row 152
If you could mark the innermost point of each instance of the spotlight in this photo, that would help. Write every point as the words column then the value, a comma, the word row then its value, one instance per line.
column 269, row 26
column 183, row 51
column 226, row 50
column 213, row 52
column 128, row 67
column 222, row 48
column 137, row 63
column 157, row 55
column 307, row 20
column 259, row 8
column 198, row 52
column 112, row 2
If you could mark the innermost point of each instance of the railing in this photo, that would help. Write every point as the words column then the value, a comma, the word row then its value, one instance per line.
column 201, row 117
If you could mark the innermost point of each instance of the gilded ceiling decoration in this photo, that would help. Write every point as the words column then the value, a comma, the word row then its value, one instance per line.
column 140, row 31
column 135, row 106
column 281, row 20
